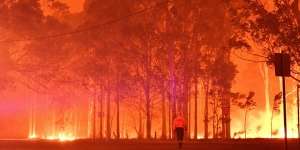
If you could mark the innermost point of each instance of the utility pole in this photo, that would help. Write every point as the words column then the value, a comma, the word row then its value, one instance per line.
column 284, row 111
column 282, row 69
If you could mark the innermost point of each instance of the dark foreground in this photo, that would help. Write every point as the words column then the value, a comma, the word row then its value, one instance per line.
column 250, row 144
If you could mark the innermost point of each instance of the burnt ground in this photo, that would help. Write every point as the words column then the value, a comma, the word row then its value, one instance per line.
column 249, row 144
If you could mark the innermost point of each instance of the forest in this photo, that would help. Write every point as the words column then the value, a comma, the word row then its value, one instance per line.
column 137, row 63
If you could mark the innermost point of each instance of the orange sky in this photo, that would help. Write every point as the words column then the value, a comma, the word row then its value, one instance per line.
column 75, row 5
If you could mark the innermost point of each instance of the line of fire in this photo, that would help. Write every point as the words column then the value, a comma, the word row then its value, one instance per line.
column 126, row 69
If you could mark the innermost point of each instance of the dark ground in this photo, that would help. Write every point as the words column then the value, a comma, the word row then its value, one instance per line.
column 250, row 144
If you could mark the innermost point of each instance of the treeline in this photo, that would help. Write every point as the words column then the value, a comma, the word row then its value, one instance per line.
column 157, row 56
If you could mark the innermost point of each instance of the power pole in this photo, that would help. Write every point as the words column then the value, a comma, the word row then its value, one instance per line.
column 284, row 112
column 282, row 68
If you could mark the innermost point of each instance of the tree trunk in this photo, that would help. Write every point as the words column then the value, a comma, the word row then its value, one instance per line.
column 190, row 113
column 170, row 117
column 100, row 98
column 225, row 117
column 272, row 123
column 214, row 118
column 147, row 91
column 164, row 130
column 228, row 128
column 141, row 126
column 118, row 112
column 206, row 87
column 196, row 108
column 94, row 115
column 140, row 136
column 172, row 82
column 186, row 79
column 245, row 123
column 186, row 105
column 217, row 126
column 148, row 114
column 108, row 125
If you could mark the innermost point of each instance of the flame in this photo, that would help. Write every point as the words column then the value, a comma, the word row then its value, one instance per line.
column 259, row 126
column 32, row 136
column 62, row 137
column 200, row 136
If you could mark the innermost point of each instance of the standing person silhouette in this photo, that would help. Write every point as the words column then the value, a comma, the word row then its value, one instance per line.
column 179, row 127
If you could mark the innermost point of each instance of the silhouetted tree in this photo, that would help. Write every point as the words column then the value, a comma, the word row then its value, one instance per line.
column 248, row 104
